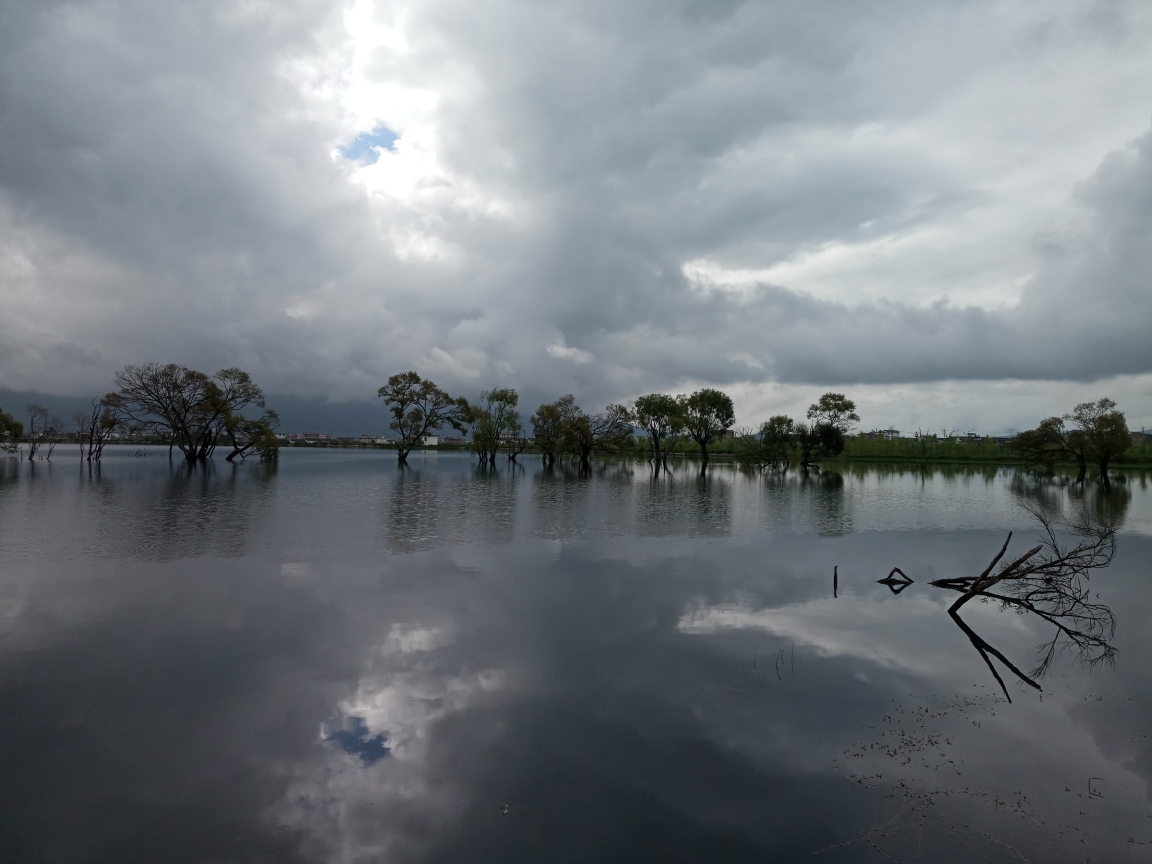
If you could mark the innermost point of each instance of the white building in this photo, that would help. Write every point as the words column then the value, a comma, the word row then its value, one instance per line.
column 430, row 440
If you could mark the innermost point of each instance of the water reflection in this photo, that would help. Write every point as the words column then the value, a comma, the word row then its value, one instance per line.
column 429, row 508
column 442, row 664
column 1049, row 581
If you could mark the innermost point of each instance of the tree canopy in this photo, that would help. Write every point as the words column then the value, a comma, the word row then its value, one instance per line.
column 418, row 406
column 193, row 410
column 707, row 414
column 11, row 431
column 836, row 410
column 658, row 414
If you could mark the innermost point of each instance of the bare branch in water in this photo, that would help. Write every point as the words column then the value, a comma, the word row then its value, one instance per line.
column 1050, row 581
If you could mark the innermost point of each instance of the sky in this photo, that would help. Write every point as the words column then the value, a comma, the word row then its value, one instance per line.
column 942, row 209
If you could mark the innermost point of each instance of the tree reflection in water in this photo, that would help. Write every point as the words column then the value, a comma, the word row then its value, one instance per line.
column 1051, row 582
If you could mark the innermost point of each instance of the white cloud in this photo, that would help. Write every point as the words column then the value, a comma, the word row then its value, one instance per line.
column 561, row 351
column 749, row 196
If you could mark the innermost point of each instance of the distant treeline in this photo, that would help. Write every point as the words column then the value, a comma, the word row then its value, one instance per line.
column 195, row 413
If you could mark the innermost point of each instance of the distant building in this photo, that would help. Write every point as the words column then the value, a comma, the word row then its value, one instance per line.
column 375, row 439
column 888, row 434
column 309, row 437
column 451, row 439
column 1139, row 439
column 430, row 440
column 727, row 434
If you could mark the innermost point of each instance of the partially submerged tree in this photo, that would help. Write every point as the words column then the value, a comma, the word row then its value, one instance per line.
column 769, row 445
column 607, row 432
column 418, row 406
column 11, row 431
column 192, row 410
column 96, row 428
column 707, row 414
column 493, row 420
column 1093, row 432
column 43, row 431
column 659, row 416
column 1049, row 581
column 1105, row 432
column 817, row 441
column 548, row 428
column 830, row 418
column 1041, row 447
column 248, row 436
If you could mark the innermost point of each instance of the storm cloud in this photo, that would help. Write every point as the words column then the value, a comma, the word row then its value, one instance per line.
column 587, row 197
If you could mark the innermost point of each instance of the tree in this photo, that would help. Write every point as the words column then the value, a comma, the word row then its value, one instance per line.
column 1051, row 440
column 776, row 436
column 548, row 424
column 96, row 429
column 11, row 431
column 190, row 408
column 836, row 410
column 419, row 406
column 607, row 432
column 257, row 436
column 43, row 428
column 515, row 441
column 1104, row 431
column 493, row 420
column 707, row 415
column 817, row 441
column 659, row 416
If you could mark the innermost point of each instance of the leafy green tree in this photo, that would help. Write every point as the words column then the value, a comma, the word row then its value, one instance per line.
column 548, row 429
column 257, row 436
column 818, row 441
column 11, row 431
column 1043, row 446
column 494, row 420
column 419, row 406
column 606, row 432
column 772, row 441
column 707, row 414
column 659, row 416
column 836, row 410
column 1104, row 430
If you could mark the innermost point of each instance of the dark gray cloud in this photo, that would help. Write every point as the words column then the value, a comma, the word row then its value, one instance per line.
column 580, row 198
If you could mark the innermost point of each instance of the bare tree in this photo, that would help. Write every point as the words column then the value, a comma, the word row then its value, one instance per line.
column 1051, row 582
column 97, row 428
column 43, row 431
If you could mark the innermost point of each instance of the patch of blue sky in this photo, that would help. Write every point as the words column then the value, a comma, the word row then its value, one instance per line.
column 363, row 146
column 355, row 741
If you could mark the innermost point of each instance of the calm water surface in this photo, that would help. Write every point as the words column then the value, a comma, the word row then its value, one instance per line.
column 336, row 661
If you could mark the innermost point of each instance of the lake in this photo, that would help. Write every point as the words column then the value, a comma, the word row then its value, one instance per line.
column 333, row 660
